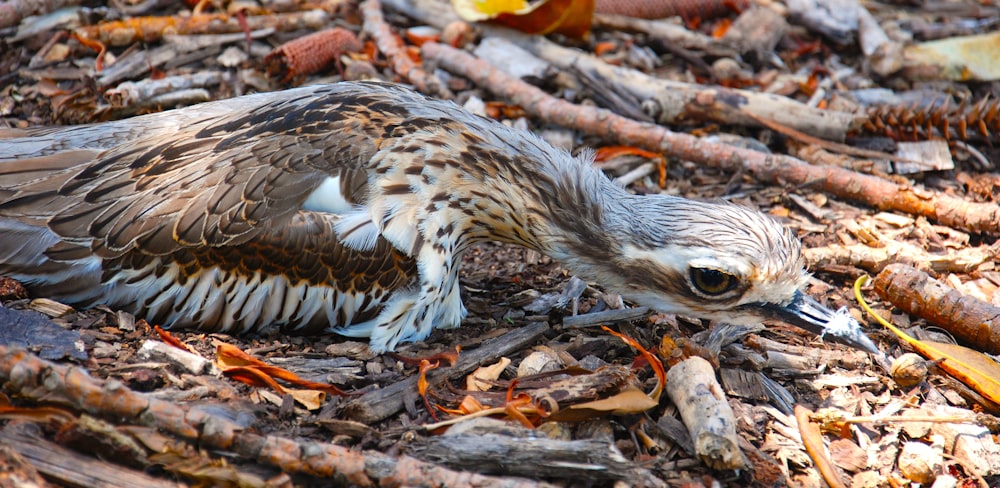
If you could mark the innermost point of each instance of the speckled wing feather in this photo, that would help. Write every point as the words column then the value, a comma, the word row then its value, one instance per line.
column 209, row 186
column 200, row 182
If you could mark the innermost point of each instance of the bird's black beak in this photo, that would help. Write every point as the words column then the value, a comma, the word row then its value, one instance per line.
column 805, row 312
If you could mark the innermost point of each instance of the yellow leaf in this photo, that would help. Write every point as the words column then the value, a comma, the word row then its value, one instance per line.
column 568, row 17
column 481, row 10
column 493, row 7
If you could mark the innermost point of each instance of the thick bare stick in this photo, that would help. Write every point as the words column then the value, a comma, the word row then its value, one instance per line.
column 672, row 102
column 33, row 378
column 376, row 26
column 692, row 386
column 876, row 192
column 972, row 321
column 12, row 12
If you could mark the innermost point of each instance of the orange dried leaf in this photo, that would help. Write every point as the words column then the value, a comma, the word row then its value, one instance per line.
column 311, row 399
column 514, row 413
column 602, row 48
column 610, row 152
column 314, row 386
column 470, row 405
column 422, row 385
column 450, row 357
column 229, row 357
column 253, row 377
column 170, row 339
column 661, row 374
column 721, row 27
column 812, row 438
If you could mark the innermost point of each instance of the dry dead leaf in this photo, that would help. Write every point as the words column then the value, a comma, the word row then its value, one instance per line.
column 240, row 366
column 628, row 401
column 481, row 378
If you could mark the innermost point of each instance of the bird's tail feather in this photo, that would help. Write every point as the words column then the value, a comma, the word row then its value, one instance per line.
column 23, row 257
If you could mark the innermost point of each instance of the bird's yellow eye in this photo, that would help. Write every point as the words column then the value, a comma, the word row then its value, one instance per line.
column 712, row 281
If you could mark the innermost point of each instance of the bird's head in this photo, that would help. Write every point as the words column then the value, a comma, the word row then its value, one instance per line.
column 710, row 260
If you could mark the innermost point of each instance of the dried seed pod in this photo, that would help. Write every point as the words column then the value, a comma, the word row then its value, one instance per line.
column 909, row 370
column 979, row 120
column 309, row 54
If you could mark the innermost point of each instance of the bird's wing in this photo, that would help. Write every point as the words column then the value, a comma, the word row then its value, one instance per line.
column 208, row 175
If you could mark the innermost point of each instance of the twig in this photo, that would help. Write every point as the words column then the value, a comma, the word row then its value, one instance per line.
column 971, row 320
column 32, row 378
column 874, row 259
column 694, row 389
column 673, row 35
column 876, row 192
column 376, row 27
column 12, row 12
column 380, row 404
column 605, row 317
column 674, row 102
column 139, row 93
column 150, row 29
column 658, row 9
column 592, row 459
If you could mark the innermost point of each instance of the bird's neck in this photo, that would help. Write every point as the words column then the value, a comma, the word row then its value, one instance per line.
column 568, row 210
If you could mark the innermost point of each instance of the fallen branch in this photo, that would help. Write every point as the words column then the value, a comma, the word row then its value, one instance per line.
column 376, row 27
column 140, row 93
column 675, row 102
column 29, row 377
column 150, row 29
column 777, row 169
column 12, row 12
column 658, row 9
column 535, row 457
column 972, row 321
column 669, row 32
column 874, row 259
column 694, row 389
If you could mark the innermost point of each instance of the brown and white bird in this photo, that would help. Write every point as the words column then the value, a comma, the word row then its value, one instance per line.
column 346, row 208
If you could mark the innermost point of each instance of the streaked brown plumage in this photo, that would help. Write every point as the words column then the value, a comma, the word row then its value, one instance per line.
column 347, row 208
